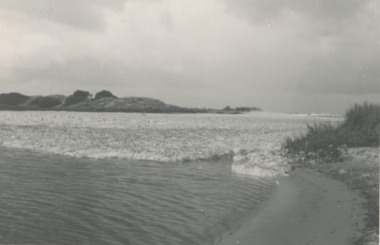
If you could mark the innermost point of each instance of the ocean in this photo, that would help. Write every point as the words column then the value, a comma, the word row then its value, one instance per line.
column 117, row 178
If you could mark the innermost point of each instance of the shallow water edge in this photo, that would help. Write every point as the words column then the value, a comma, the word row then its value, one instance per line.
column 48, row 198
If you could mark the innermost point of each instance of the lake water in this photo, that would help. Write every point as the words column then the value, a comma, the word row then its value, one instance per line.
column 112, row 178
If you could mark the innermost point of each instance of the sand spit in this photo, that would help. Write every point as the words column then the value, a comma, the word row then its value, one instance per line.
column 308, row 208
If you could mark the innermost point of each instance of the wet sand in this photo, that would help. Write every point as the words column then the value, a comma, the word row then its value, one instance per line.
column 307, row 208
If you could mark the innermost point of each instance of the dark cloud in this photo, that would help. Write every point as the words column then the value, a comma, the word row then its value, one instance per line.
column 322, row 10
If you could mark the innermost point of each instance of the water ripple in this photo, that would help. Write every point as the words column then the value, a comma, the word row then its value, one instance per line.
column 49, row 198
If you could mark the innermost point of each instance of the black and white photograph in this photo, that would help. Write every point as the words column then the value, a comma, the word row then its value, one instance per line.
column 198, row 122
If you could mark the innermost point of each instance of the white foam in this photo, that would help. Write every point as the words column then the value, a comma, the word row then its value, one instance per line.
column 252, row 141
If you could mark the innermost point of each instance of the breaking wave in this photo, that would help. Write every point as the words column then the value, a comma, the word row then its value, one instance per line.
column 251, row 141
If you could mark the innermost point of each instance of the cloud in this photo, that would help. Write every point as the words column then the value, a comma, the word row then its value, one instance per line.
column 338, row 75
column 91, row 73
column 320, row 10
column 203, row 53
column 337, row 41
column 84, row 14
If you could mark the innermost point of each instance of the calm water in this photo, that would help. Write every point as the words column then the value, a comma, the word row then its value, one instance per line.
column 48, row 198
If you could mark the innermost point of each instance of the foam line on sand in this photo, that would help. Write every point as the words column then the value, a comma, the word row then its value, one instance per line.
column 306, row 209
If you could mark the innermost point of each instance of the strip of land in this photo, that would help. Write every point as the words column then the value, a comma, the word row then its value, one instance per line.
column 103, row 101
column 308, row 208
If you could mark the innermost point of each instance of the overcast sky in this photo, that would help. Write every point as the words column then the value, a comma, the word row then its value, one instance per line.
column 284, row 55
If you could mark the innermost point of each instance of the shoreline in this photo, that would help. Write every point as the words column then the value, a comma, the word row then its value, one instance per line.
column 360, row 173
column 308, row 208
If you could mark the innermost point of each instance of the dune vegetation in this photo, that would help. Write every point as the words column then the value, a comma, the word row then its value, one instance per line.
column 104, row 101
column 360, row 128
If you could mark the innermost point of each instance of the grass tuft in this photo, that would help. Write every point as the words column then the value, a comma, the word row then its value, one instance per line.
column 362, row 125
column 360, row 128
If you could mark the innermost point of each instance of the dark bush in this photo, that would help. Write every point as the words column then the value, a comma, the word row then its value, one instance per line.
column 321, row 140
column 361, row 127
column 49, row 102
column 81, row 93
column 71, row 100
column 13, row 99
column 247, row 109
column 77, row 97
column 104, row 94
column 45, row 102
column 35, row 101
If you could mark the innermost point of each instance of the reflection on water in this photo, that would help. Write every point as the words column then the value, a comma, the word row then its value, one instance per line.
column 63, row 200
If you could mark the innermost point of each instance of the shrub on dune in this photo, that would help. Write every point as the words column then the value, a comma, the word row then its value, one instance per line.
column 77, row 97
column 362, row 125
column 13, row 99
column 45, row 102
column 104, row 94
column 360, row 128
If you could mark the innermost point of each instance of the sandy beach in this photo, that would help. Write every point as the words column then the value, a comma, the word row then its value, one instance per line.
column 308, row 208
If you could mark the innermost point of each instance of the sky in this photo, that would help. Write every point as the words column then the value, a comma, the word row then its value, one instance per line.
column 293, row 56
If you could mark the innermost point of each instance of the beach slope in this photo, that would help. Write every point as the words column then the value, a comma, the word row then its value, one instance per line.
column 307, row 208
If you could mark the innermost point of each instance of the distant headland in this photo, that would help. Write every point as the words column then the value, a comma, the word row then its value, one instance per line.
column 103, row 101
